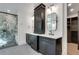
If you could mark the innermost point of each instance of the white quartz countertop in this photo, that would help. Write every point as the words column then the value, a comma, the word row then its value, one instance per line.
column 49, row 36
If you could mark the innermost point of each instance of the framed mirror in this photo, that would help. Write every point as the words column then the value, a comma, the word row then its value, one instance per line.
column 52, row 22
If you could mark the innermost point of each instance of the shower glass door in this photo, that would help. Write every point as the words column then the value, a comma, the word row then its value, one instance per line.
column 8, row 30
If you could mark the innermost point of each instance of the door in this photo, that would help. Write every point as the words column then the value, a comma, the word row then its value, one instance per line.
column 8, row 30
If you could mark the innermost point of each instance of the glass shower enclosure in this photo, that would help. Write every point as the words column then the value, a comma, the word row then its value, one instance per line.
column 8, row 29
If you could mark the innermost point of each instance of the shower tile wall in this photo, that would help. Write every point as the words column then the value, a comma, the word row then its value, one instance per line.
column 8, row 29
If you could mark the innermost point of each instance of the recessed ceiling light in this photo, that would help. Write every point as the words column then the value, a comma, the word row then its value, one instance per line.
column 71, row 9
column 69, row 4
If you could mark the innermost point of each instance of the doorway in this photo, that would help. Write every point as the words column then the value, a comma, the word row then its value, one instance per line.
column 8, row 30
column 72, row 30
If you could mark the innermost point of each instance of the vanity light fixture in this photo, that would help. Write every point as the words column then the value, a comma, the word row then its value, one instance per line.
column 49, row 10
column 54, row 9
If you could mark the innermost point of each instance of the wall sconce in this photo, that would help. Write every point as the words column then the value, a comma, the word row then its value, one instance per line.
column 48, row 11
column 51, row 9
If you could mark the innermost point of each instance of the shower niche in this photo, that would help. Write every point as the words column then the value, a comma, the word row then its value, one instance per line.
column 8, row 30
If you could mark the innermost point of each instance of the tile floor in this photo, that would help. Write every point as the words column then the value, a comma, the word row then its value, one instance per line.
column 19, row 50
column 72, row 49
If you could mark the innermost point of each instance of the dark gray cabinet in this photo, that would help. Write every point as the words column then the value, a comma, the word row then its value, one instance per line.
column 45, row 45
column 32, row 40
column 50, row 46
column 39, row 19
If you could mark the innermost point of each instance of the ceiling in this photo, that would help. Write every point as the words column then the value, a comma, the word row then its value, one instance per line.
column 75, row 7
column 15, row 8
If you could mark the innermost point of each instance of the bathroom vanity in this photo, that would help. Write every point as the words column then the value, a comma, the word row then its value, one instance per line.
column 45, row 44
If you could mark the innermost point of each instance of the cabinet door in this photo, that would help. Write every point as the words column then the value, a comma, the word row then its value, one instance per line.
column 33, row 41
column 47, row 46
column 38, row 25
column 35, row 21
column 42, row 20
column 39, row 20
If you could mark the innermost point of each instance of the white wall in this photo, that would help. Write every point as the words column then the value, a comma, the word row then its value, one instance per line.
column 24, row 22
